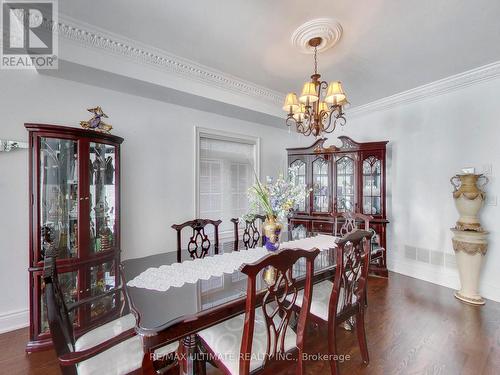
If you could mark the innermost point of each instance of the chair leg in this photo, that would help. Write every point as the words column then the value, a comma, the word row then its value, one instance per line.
column 366, row 296
column 332, row 348
column 360, row 330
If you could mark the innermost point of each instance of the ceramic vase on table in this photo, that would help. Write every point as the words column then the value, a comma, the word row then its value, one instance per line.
column 272, row 233
column 469, row 238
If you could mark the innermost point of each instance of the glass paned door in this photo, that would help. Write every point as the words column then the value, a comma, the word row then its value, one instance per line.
column 300, row 178
column 58, row 173
column 320, row 185
column 102, row 197
column 371, row 186
column 345, row 184
column 102, row 279
column 68, row 283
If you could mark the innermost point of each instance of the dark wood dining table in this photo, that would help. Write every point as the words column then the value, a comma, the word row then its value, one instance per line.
column 180, row 312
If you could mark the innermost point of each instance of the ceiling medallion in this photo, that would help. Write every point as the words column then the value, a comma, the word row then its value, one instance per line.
column 320, row 107
column 328, row 29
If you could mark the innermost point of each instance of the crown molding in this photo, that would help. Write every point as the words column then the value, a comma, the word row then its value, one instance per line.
column 440, row 87
column 92, row 37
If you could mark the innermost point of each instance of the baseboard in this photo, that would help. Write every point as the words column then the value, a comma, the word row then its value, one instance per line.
column 441, row 276
column 13, row 320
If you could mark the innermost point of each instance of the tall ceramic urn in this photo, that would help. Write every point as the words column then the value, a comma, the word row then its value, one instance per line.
column 469, row 238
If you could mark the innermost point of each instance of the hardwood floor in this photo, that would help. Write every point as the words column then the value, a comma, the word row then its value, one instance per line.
column 413, row 327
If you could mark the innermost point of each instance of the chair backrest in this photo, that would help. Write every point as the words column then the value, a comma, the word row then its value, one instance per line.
column 277, row 303
column 353, row 256
column 61, row 326
column 199, row 243
column 251, row 233
column 347, row 222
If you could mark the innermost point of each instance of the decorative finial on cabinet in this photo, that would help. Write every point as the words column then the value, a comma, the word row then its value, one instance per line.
column 96, row 122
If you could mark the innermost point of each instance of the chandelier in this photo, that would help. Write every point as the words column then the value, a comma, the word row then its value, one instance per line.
column 320, row 107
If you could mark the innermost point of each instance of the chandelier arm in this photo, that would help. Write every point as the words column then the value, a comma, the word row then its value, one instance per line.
column 326, row 128
column 324, row 116
column 290, row 117
column 302, row 130
column 340, row 120
column 323, row 85
column 307, row 120
column 308, row 109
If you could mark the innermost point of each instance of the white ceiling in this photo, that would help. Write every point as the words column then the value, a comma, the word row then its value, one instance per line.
column 388, row 46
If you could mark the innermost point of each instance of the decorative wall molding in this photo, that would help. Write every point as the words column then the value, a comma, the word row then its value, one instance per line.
column 12, row 320
column 328, row 29
column 90, row 36
column 440, row 87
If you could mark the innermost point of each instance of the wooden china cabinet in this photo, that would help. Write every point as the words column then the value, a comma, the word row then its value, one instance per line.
column 346, row 178
column 74, row 207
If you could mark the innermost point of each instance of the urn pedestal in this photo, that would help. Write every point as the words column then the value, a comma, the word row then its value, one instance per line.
column 470, row 248
column 469, row 239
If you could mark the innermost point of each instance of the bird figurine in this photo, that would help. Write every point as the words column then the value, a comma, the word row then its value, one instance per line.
column 96, row 122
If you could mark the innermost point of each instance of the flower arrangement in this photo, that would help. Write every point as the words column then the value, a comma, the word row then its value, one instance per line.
column 278, row 197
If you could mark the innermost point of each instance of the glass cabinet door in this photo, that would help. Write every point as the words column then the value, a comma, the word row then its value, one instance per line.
column 102, row 197
column 371, row 186
column 320, row 185
column 102, row 279
column 345, row 184
column 68, row 283
column 300, row 178
column 58, row 174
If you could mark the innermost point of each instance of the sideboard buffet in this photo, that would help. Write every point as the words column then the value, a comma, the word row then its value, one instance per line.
column 351, row 177
column 74, row 182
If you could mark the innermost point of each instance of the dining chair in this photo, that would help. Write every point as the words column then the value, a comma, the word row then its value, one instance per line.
column 251, row 232
column 199, row 243
column 338, row 301
column 111, row 348
column 262, row 338
column 347, row 222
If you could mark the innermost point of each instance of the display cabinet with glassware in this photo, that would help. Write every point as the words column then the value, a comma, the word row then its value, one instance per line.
column 348, row 177
column 75, row 209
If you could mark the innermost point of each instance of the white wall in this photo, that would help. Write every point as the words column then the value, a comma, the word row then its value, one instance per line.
column 430, row 141
column 157, row 167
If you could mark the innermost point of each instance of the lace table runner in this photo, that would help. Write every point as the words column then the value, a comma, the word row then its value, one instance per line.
column 190, row 271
